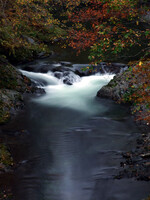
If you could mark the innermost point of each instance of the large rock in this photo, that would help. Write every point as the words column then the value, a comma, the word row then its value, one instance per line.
column 115, row 88
column 120, row 89
column 145, row 17
column 12, row 87
column 68, row 77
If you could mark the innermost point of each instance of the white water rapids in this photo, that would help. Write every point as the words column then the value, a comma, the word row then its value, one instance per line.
column 80, row 96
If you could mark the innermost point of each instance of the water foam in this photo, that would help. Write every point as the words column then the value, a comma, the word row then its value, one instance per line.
column 80, row 96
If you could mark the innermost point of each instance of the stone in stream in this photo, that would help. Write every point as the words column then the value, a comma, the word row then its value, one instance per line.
column 102, row 68
column 64, row 63
column 42, row 68
column 58, row 74
column 62, row 69
column 68, row 77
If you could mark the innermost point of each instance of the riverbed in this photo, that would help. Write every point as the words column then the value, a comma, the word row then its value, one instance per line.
column 73, row 141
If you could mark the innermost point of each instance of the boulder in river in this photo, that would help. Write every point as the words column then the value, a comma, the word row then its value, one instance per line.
column 68, row 77
column 115, row 88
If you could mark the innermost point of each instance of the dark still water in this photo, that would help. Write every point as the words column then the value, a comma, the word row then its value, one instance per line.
column 75, row 144
column 73, row 156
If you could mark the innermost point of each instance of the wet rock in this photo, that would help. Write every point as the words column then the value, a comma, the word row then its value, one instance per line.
column 146, row 155
column 83, row 69
column 113, row 68
column 42, row 55
column 67, row 64
column 115, row 88
column 137, row 163
column 62, row 69
column 67, row 81
column 13, row 86
column 103, row 67
column 68, row 77
column 6, row 160
column 58, row 75
column 44, row 68
column 145, row 17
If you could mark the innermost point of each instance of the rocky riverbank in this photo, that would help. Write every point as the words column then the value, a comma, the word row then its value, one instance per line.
column 12, row 87
column 136, row 163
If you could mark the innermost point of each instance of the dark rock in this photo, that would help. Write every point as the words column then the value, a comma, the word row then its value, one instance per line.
column 83, row 69
column 68, row 77
column 127, row 155
column 115, row 88
column 62, row 69
column 143, row 178
column 146, row 155
column 139, row 141
column 43, row 55
column 13, row 86
column 67, row 81
column 39, row 68
column 86, row 70
column 58, row 75
column 29, row 39
column 67, row 64
column 46, row 67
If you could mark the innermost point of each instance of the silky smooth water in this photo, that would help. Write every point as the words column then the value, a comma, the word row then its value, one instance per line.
column 80, row 96
column 76, row 142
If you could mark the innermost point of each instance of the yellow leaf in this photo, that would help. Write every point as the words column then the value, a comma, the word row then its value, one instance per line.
column 140, row 63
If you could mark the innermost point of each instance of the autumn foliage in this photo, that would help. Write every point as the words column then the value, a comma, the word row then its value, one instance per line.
column 23, row 19
column 107, row 27
column 139, row 90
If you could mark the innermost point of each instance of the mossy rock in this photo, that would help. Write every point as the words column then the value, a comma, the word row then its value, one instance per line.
column 12, row 87
column 11, row 78
column 5, row 158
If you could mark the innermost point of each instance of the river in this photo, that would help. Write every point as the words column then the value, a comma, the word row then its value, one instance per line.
column 75, row 143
